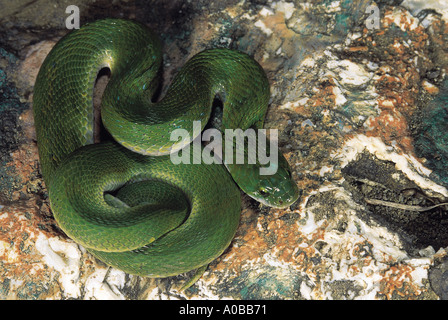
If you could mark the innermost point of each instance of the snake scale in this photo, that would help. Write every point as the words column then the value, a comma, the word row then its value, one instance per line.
column 122, row 198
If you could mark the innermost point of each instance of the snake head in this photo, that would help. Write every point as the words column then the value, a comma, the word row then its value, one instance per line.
column 277, row 190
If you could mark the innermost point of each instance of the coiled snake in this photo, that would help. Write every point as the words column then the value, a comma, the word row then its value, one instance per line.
column 123, row 199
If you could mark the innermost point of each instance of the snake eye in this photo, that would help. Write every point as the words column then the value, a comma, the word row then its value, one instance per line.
column 263, row 192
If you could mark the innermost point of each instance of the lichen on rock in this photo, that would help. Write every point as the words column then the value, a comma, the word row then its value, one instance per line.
column 361, row 117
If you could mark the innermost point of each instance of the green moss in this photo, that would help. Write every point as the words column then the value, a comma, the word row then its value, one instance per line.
column 350, row 15
column 431, row 140
column 10, row 109
column 4, row 288
column 266, row 283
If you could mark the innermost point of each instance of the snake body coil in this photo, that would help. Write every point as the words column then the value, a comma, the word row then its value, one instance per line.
column 124, row 200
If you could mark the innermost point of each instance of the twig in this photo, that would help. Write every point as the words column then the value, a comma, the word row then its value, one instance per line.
column 403, row 206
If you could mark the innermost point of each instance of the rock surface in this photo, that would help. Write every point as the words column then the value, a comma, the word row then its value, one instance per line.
column 353, row 104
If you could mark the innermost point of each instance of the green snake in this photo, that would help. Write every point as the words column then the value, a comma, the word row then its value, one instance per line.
column 123, row 198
